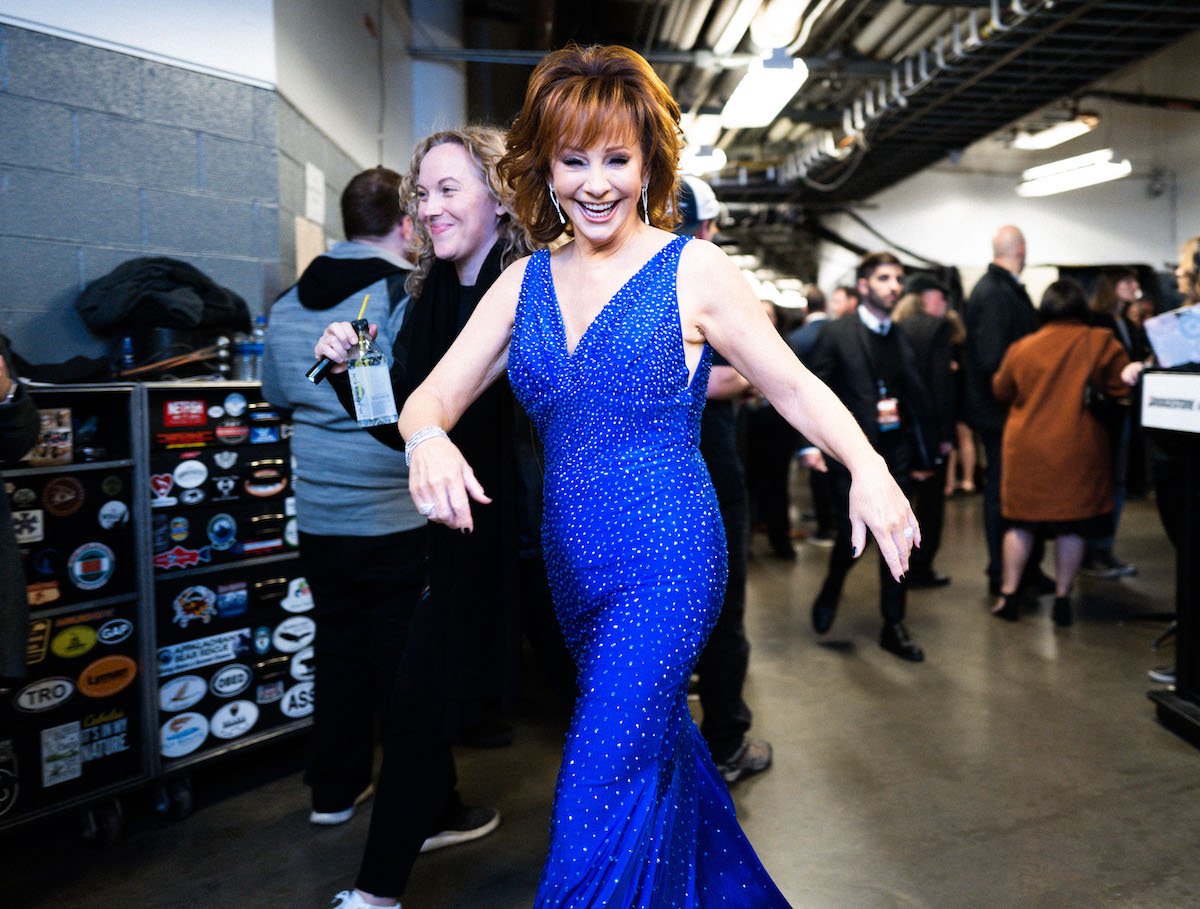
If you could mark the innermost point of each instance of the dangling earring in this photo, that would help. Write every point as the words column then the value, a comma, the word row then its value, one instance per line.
column 554, row 200
column 646, row 202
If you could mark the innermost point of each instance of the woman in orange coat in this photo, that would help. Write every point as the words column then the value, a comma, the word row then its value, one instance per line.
column 1057, row 456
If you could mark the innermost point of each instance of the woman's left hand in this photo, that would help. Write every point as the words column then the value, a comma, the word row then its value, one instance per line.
column 1131, row 373
column 878, row 504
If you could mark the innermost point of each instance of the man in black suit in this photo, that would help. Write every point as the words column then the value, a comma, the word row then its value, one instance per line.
column 922, row 316
column 873, row 370
column 998, row 312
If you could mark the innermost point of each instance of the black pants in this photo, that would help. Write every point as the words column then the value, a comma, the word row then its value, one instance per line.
column 770, row 447
column 841, row 559
column 365, row 590
column 929, row 505
column 723, row 662
column 415, row 796
column 821, row 487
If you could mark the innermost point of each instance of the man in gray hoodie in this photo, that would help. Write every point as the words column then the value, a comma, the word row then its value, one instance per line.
column 362, row 542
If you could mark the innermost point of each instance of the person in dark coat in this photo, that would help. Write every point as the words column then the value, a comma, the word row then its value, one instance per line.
column 998, row 312
column 921, row 314
column 18, row 432
column 873, row 370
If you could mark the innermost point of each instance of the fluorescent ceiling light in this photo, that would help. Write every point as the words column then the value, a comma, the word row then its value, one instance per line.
column 702, row 159
column 702, row 129
column 767, row 86
column 1073, row 173
column 775, row 25
column 1056, row 134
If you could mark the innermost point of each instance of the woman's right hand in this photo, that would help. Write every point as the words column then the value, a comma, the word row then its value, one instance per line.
column 442, row 483
column 336, row 340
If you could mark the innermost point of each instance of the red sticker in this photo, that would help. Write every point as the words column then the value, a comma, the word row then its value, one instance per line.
column 184, row 413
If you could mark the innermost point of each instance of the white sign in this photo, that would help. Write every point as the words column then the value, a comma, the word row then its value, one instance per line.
column 216, row 648
column 1171, row 400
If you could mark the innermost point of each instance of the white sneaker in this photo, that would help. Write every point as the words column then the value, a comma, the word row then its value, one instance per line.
column 349, row 899
column 333, row 818
column 470, row 824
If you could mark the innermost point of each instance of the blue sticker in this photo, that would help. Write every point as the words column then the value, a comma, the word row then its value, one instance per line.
column 262, row 640
column 222, row 531
column 232, row 599
column 262, row 434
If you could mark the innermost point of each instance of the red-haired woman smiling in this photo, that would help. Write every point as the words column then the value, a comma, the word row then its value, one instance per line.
column 607, row 343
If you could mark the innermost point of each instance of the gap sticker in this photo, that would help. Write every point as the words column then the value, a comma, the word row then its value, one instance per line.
column 114, row 631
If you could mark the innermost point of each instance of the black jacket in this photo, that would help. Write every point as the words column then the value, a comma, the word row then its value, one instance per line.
column 839, row 359
column 18, row 432
column 998, row 312
column 930, row 338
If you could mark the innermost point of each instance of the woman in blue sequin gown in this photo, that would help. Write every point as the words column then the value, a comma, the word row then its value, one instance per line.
column 607, row 343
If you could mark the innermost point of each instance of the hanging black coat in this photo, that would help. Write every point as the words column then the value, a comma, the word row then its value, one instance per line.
column 473, row 579
column 18, row 432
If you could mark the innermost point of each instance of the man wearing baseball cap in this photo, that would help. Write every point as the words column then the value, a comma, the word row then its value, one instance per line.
column 722, row 665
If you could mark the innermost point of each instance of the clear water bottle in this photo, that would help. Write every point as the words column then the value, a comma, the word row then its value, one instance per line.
column 374, row 403
column 248, row 352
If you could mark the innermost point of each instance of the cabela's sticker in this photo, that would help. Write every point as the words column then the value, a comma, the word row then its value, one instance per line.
column 73, row 641
column 182, row 734
column 234, row 719
column 299, row 596
column 230, row 681
column 181, row 693
column 107, row 676
column 196, row 603
column 113, row 513
column 216, row 648
column 63, row 496
column 104, row 734
column 91, row 566
column 294, row 634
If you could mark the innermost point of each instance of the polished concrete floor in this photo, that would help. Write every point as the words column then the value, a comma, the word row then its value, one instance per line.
column 1019, row 766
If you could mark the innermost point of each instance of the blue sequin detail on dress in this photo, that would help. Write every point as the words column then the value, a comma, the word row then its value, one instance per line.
column 635, row 554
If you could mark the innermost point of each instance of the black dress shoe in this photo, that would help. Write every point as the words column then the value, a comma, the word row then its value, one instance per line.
column 929, row 581
column 824, row 611
column 894, row 639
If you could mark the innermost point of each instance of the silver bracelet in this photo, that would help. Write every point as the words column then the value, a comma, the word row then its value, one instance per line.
column 421, row 435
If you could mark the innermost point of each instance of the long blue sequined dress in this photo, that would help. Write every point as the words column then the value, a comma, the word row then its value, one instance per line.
column 635, row 553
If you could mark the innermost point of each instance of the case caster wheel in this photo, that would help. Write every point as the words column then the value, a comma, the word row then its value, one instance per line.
column 104, row 823
column 175, row 798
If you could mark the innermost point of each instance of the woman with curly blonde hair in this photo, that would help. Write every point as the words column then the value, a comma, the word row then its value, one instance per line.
column 462, row 648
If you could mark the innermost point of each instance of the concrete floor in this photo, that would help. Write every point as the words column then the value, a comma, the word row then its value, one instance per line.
column 1019, row 766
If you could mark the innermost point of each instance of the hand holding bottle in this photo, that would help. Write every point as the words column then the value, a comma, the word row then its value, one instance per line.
column 336, row 342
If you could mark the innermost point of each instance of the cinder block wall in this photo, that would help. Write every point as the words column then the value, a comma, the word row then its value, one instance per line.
column 106, row 157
